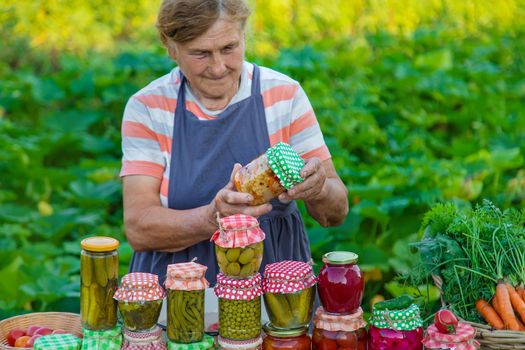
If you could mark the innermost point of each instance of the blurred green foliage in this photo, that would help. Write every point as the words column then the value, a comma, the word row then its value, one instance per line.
column 419, row 101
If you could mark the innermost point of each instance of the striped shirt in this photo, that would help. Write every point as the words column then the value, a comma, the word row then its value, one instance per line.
column 147, row 126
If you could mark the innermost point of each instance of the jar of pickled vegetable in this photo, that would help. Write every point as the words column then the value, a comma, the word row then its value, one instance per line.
column 462, row 339
column 249, row 344
column 399, row 329
column 270, row 174
column 284, row 339
column 239, row 245
column 144, row 340
column 239, row 307
column 98, row 282
column 340, row 283
column 186, row 286
column 139, row 300
column 343, row 332
column 289, row 293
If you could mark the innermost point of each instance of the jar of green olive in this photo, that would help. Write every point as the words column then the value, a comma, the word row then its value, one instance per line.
column 98, row 282
column 239, row 245
column 239, row 307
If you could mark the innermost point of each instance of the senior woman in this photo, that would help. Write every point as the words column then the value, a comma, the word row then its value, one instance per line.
column 185, row 134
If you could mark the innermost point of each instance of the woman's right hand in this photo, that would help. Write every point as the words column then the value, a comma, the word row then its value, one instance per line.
column 229, row 202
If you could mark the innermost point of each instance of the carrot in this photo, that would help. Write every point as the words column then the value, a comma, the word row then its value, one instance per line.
column 522, row 326
column 505, row 307
column 489, row 314
column 517, row 303
column 520, row 291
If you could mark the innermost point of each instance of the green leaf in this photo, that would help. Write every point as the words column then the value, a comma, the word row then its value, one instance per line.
column 435, row 60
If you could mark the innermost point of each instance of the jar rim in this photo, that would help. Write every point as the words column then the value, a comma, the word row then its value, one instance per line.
column 99, row 244
column 340, row 258
column 284, row 333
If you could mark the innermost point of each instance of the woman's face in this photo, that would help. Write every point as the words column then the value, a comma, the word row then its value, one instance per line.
column 212, row 63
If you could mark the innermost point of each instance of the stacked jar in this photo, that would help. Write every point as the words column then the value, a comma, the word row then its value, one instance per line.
column 140, row 299
column 239, row 249
column 289, row 295
column 339, row 321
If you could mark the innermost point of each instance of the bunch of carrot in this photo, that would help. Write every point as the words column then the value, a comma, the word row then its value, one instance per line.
column 507, row 310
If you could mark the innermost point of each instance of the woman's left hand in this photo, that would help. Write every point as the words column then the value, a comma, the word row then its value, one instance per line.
column 314, row 176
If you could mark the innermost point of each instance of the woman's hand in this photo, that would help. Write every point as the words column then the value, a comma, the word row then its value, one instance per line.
column 311, row 188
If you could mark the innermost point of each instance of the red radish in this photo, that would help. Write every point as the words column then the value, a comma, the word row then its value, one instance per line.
column 31, row 341
column 59, row 331
column 31, row 330
column 43, row 331
column 13, row 335
column 445, row 321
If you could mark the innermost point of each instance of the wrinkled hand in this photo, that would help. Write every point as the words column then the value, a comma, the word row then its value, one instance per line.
column 314, row 176
column 229, row 202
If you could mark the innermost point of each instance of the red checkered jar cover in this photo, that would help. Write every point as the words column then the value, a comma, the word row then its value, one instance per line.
column 148, row 340
column 238, row 289
column 288, row 276
column 250, row 344
column 186, row 276
column 333, row 322
column 463, row 339
column 237, row 231
column 139, row 286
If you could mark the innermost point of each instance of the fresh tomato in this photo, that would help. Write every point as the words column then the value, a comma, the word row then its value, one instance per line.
column 22, row 341
column 445, row 321
column 346, row 339
column 317, row 335
column 14, row 335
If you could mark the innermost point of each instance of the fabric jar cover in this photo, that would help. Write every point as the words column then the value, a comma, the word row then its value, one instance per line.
column 206, row 343
column 250, row 344
column 57, row 342
column 332, row 322
column 102, row 340
column 288, row 276
column 399, row 320
column 237, row 231
column 286, row 164
column 463, row 339
column 149, row 340
column 186, row 276
column 139, row 286
column 238, row 289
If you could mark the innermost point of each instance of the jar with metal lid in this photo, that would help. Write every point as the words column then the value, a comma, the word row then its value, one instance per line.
column 270, row 174
column 139, row 300
column 249, row 344
column 239, row 307
column 186, row 286
column 462, row 339
column 340, row 283
column 289, row 293
column 284, row 339
column 99, row 282
column 239, row 245
column 343, row 332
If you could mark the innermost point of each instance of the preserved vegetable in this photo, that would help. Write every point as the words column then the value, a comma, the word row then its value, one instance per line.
column 343, row 332
column 240, row 262
column 281, row 339
column 140, row 315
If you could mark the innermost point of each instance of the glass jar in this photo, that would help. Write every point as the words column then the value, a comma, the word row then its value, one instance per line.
column 281, row 339
column 239, row 307
column 139, row 300
column 340, row 283
column 239, row 245
column 344, row 332
column 270, row 174
column 463, row 338
column 250, row 344
column 99, row 281
column 143, row 340
column 289, row 293
column 186, row 286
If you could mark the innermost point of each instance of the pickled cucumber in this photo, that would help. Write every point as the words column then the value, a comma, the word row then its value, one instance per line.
column 139, row 316
column 185, row 316
column 240, row 319
column 240, row 262
column 290, row 310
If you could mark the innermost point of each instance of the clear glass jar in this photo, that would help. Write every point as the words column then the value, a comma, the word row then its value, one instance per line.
column 185, row 315
column 240, row 319
column 99, row 282
column 390, row 339
column 347, row 340
column 140, row 315
column 240, row 262
column 280, row 339
column 340, row 283
column 250, row 344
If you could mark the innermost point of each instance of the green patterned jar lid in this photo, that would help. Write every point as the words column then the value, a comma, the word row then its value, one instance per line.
column 400, row 320
column 286, row 164
column 205, row 344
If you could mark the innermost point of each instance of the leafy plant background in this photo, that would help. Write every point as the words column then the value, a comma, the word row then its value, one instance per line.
column 420, row 102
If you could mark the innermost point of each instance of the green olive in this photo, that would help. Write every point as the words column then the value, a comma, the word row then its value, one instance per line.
column 221, row 258
column 233, row 269
column 246, row 256
column 233, row 254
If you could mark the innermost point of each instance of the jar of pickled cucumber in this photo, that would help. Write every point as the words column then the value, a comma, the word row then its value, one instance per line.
column 462, row 339
column 186, row 286
column 139, row 300
column 98, row 282
column 270, row 174
column 239, row 245
column 289, row 293
column 249, row 344
column 239, row 307
column 343, row 332
column 285, row 339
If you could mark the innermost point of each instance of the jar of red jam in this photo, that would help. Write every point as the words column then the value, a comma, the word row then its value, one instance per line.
column 339, row 332
column 285, row 339
column 462, row 339
column 340, row 283
column 395, row 329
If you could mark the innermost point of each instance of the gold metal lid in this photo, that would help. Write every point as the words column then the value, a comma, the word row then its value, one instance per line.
column 99, row 244
column 340, row 258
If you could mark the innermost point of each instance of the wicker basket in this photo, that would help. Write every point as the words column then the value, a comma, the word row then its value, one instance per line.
column 55, row 320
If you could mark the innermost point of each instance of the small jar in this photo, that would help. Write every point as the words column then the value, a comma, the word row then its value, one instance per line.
column 249, row 344
column 239, row 307
column 289, row 293
column 346, row 332
column 239, row 245
column 270, row 174
column 340, row 283
column 98, row 281
column 395, row 329
column 285, row 339
column 143, row 340
column 139, row 301
column 186, row 286
column 462, row 339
